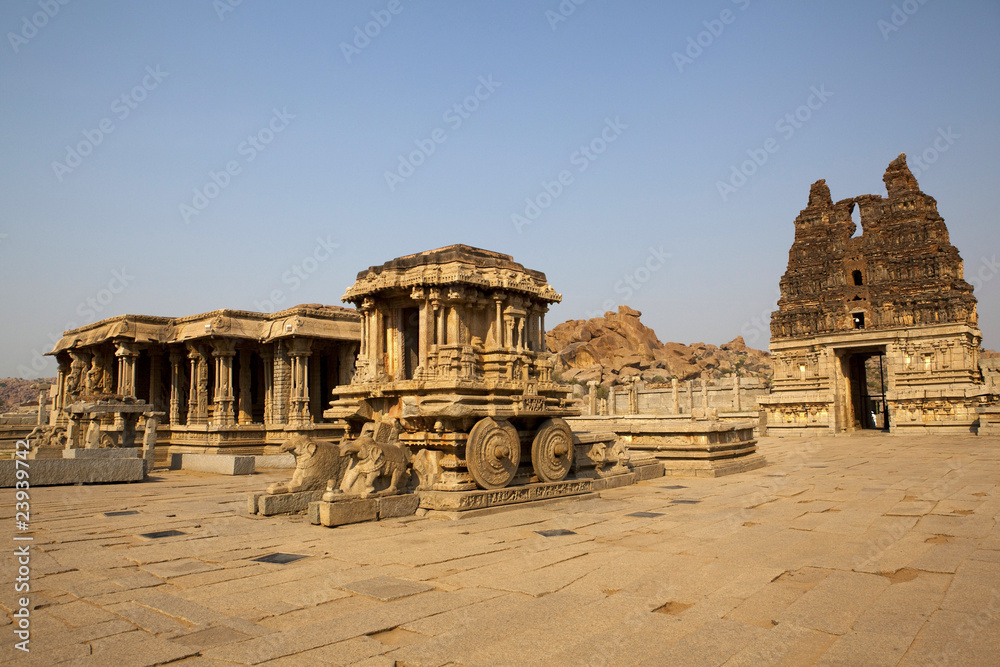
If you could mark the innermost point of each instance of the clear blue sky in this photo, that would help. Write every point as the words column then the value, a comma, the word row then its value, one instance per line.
column 199, row 81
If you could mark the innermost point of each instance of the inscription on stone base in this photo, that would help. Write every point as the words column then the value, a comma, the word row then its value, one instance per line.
column 472, row 500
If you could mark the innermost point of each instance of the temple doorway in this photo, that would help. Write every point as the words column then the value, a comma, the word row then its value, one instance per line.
column 867, row 380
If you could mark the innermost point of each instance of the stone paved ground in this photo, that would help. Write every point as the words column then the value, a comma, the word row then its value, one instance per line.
column 861, row 550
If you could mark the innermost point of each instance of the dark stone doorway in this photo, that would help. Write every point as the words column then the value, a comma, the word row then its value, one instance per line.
column 867, row 377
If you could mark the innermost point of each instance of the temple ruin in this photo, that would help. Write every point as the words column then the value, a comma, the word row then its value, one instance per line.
column 226, row 381
column 878, row 329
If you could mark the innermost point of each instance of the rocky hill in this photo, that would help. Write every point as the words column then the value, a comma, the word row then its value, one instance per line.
column 15, row 391
column 612, row 348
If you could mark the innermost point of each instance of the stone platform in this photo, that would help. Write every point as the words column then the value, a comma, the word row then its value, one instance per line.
column 685, row 447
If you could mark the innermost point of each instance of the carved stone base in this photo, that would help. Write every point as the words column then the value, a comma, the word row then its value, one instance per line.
column 473, row 500
column 716, row 468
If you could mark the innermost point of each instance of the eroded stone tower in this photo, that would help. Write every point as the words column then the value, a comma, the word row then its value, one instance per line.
column 877, row 330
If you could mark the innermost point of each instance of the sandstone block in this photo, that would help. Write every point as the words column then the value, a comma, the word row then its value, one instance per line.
column 392, row 506
column 347, row 511
column 285, row 503
column 52, row 472
column 220, row 464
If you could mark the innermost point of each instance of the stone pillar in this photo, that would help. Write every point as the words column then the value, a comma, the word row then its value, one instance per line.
column 592, row 396
column 223, row 351
column 541, row 329
column 612, row 401
column 690, row 388
column 704, row 393
column 198, row 389
column 633, row 396
column 737, row 399
column 126, row 354
column 424, row 343
column 42, row 403
column 282, row 384
column 267, row 356
column 675, row 395
column 299, row 352
column 93, row 436
column 149, row 439
column 499, row 324
column 155, row 368
column 73, row 430
column 176, row 386
column 60, row 397
column 245, row 412
column 313, row 384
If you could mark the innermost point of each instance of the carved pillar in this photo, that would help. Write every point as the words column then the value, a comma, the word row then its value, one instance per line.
column 612, row 401
column 592, row 396
column 690, row 386
column 498, row 324
column 223, row 351
column 675, row 395
column 73, row 430
column 176, row 386
column 313, row 393
column 737, row 399
column 198, row 388
column 126, row 354
column 704, row 393
column 267, row 356
column 246, row 398
column 282, row 383
column 424, row 343
column 299, row 352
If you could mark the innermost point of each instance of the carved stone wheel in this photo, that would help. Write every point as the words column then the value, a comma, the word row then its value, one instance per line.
column 493, row 453
column 552, row 450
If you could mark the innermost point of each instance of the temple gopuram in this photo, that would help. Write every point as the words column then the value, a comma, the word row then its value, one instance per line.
column 876, row 330
column 228, row 381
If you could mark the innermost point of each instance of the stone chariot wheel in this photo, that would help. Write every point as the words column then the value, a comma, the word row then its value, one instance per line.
column 552, row 450
column 492, row 453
